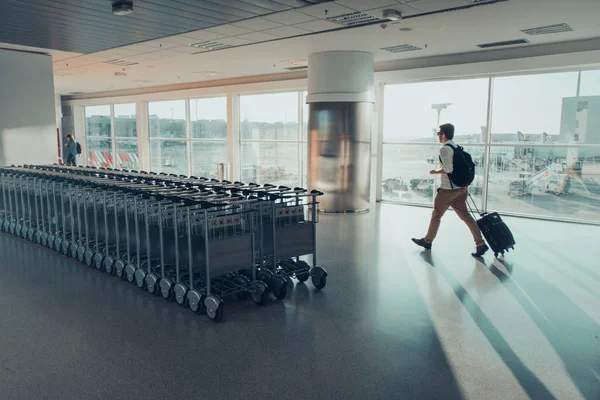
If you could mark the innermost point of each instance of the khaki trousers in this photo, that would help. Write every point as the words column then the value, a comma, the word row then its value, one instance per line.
column 457, row 199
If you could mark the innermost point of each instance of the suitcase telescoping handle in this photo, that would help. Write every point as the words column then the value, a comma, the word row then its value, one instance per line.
column 475, row 205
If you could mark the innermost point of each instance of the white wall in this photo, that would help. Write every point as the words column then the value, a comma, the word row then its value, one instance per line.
column 27, row 111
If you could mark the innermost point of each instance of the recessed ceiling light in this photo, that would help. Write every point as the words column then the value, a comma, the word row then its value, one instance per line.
column 405, row 29
column 122, row 7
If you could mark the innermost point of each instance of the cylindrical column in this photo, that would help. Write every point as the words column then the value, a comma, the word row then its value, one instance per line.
column 340, row 98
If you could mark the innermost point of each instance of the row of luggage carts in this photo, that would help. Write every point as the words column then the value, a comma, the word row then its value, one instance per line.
column 192, row 240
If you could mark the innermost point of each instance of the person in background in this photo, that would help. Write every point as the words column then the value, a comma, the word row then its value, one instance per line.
column 71, row 150
column 450, row 195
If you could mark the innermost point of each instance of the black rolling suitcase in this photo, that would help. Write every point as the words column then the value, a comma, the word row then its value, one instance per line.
column 495, row 231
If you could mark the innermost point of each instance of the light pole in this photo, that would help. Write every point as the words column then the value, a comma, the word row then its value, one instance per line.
column 439, row 107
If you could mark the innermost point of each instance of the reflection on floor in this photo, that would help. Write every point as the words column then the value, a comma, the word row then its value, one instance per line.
column 393, row 323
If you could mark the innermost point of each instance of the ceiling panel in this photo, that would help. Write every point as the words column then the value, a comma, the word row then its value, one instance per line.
column 326, row 10
column 318, row 25
column 258, row 24
column 258, row 37
column 289, row 17
column 85, row 26
column 436, row 5
column 361, row 5
column 287, row 31
column 228, row 30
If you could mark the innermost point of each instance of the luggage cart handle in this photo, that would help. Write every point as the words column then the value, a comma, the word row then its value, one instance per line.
column 313, row 193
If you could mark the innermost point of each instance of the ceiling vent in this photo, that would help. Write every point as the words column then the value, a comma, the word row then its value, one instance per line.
column 401, row 48
column 142, row 81
column 544, row 30
column 354, row 19
column 120, row 74
column 505, row 43
column 478, row 1
column 63, row 73
column 122, row 63
column 210, row 45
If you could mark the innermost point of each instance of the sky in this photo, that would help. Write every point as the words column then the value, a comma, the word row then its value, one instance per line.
column 526, row 103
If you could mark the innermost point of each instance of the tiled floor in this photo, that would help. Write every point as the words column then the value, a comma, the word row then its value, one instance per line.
column 394, row 322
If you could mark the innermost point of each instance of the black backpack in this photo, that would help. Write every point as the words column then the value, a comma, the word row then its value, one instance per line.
column 78, row 148
column 463, row 167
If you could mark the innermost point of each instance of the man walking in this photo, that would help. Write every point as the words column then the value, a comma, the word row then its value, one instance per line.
column 71, row 150
column 450, row 195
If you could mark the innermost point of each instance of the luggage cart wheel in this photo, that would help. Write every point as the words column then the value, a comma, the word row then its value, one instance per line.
column 152, row 284
column 120, row 269
column 98, row 257
column 50, row 241
column 180, row 290
column 278, row 285
column 89, row 257
column 140, row 278
column 214, row 307
column 302, row 271
column 65, row 245
column 31, row 234
column 57, row 243
column 73, row 250
column 166, row 289
column 81, row 253
column 319, row 277
column 130, row 273
column 109, row 265
column 38, row 237
column 260, row 293
column 195, row 301
column 264, row 275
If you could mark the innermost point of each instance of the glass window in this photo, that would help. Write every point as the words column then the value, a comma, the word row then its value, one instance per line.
column 127, row 154
column 590, row 83
column 545, row 181
column 168, row 156
column 100, row 152
column 166, row 119
column 206, row 155
column 304, row 117
column 529, row 108
column 304, row 161
column 97, row 121
column 126, row 133
column 125, row 120
column 412, row 112
column 270, row 162
column 269, row 116
column 98, row 136
column 208, row 118
column 406, row 175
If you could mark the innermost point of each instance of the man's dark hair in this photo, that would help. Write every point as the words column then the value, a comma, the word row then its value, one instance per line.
column 69, row 136
column 448, row 131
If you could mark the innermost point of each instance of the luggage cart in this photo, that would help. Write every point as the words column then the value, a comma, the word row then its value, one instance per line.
column 289, row 232
column 187, row 239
